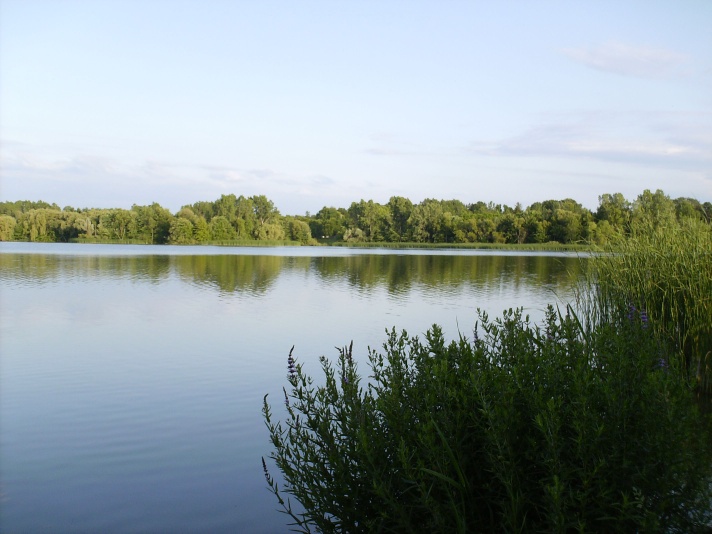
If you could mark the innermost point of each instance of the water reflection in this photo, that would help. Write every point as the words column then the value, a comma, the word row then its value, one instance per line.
column 250, row 274
column 256, row 275
column 401, row 273
column 38, row 269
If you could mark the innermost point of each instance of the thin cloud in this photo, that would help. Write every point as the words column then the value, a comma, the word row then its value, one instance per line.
column 321, row 181
column 391, row 144
column 385, row 152
column 628, row 60
column 680, row 145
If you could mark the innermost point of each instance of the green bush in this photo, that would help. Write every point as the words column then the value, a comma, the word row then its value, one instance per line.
column 525, row 428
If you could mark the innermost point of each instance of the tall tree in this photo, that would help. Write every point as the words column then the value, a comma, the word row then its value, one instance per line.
column 653, row 208
column 615, row 209
column 7, row 227
column 401, row 209
column 264, row 209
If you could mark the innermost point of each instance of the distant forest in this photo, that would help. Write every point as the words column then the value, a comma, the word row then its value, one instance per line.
column 241, row 220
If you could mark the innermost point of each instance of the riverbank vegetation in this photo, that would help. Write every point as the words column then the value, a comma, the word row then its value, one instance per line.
column 590, row 421
column 236, row 221
column 522, row 428
column 664, row 270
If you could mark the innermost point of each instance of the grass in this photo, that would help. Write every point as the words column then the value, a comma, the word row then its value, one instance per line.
column 221, row 243
column 252, row 243
column 666, row 273
column 552, row 246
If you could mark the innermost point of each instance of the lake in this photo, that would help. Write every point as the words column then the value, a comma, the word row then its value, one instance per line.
column 132, row 377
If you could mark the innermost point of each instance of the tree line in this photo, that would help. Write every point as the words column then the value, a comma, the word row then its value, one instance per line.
column 233, row 219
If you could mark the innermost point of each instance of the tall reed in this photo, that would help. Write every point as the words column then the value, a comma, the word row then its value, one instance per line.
column 664, row 272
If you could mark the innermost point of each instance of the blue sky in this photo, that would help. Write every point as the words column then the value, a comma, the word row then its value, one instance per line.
column 321, row 103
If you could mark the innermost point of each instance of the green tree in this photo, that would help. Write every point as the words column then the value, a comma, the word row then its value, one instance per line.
column 32, row 225
column 226, row 206
column 486, row 228
column 603, row 232
column 271, row 232
column 512, row 228
column 206, row 209
column 86, row 226
column 62, row 225
column 181, row 232
column 264, row 210
column 426, row 222
column 371, row 217
column 615, row 209
column 153, row 222
column 201, row 230
column 246, row 222
column 329, row 222
column 298, row 231
column 707, row 211
column 565, row 227
column 401, row 209
column 7, row 227
column 221, row 229
column 654, row 209
column 118, row 224
column 535, row 228
column 689, row 208
column 187, row 213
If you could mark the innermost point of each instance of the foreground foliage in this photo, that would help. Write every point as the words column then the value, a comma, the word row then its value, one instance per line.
column 550, row 428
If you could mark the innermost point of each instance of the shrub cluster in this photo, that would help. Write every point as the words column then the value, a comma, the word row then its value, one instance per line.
column 524, row 428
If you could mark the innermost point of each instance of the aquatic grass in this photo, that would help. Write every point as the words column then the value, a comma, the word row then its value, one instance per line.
column 221, row 243
column 251, row 243
column 541, row 247
column 666, row 272
column 555, row 427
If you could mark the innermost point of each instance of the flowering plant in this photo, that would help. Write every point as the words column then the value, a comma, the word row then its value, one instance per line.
column 545, row 428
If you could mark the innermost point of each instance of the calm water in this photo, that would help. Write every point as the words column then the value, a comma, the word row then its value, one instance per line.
column 132, row 378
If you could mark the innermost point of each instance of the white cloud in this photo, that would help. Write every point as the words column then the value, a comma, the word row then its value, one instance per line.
column 628, row 60
column 85, row 180
column 648, row 139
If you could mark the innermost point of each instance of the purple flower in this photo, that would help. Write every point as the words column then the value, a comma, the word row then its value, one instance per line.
column 662, row 364
column 291, row 365
column 264, row 468
column 631, row 312
column 644, row 318
column 349, row 353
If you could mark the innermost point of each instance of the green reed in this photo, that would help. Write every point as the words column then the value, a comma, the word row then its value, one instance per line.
column 539, row 247
column 666, row 272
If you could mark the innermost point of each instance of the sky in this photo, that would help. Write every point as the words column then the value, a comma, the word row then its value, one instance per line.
column 322, row 103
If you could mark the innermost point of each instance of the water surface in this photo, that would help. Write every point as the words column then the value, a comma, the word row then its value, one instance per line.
column 132, row 377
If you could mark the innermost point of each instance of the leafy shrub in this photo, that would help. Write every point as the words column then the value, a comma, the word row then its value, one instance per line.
column 550, row 428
